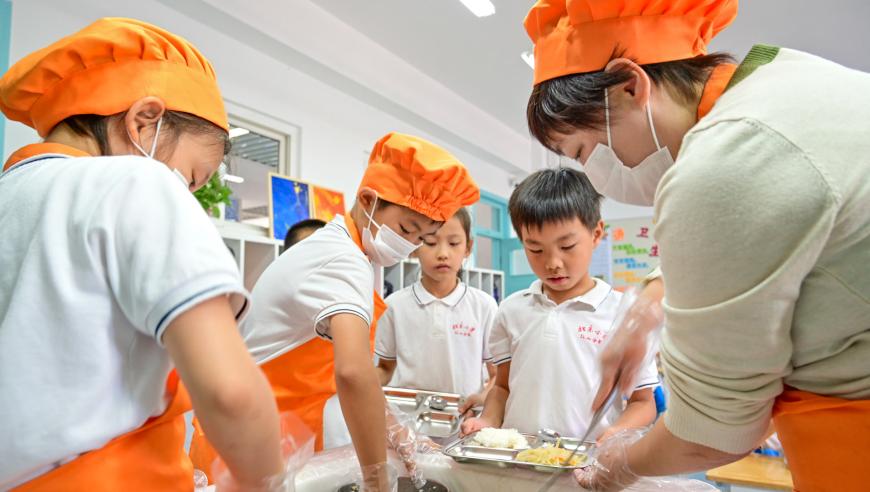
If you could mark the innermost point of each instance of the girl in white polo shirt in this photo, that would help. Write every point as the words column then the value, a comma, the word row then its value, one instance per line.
column 434, row 334
column 546, row 339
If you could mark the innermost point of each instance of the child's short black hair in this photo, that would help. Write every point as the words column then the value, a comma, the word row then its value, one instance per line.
column 294, row 231
column 554, row 195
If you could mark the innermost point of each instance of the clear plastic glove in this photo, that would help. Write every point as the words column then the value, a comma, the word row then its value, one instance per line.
column 402, row 438
column 297, row 447
column 380, row 477
column 610, row 469
column 632, row 345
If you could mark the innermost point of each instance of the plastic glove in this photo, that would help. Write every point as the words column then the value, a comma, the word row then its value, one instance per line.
column 297, row 447
column 380, row 477
column 402, row 438
column 610, row 469
column 631, row 346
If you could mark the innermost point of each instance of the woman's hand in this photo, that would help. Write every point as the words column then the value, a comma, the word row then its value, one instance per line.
column 473, row 400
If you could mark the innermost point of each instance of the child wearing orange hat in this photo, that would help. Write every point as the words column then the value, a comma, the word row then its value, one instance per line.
column 315, row 308
column 91, row 328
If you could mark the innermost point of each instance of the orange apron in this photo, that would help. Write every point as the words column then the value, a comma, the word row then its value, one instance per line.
column 149, row 458
column 826, row 441
column 302, row 380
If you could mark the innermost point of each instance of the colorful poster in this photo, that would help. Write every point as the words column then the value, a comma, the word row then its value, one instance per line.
column 327, row 203
column 288, row 204
column 633, row 250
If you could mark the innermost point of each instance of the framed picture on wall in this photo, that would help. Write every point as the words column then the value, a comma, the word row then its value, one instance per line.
column 326, row 203
column 289, row 203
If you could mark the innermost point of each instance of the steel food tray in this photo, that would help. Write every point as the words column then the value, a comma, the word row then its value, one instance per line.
column 434, row 414
column 464, row 450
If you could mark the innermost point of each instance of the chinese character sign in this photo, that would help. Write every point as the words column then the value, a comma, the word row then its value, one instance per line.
column 634, row 251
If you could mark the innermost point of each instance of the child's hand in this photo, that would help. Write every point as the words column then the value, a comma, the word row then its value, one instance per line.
column 473, row 400
column 474, row 424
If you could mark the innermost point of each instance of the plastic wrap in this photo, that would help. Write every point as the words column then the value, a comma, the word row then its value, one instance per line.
column 297, row 448
column 408, row 445
column 610, row 471
column 632, row 345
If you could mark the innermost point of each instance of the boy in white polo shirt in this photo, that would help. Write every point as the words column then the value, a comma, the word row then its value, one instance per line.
column 434, row 334
column 546, row 339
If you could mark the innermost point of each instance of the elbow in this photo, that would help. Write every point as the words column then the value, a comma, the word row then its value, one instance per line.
column 353, row 375
column 240, row 399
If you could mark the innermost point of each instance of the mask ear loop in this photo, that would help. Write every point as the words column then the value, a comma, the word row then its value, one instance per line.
column 372, row 215
column 651, row 126
column 607, row 117
column 156, row 134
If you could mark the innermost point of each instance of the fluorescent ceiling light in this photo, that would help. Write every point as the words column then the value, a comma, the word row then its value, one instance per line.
column 480, row 8
column 238, row 132
column 232, row 178
column 529, row 58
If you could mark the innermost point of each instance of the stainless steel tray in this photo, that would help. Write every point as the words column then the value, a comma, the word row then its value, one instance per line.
column 466, row 451
column 434, row 414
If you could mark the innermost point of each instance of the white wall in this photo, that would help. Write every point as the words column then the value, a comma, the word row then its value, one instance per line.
column 336, row 129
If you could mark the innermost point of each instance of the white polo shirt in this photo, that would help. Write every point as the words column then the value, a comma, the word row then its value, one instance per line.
column 553, row 351
column 323, row 275
column 438, row 344
column 99, row 255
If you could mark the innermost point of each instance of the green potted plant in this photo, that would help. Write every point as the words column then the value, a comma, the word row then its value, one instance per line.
column 213, row 194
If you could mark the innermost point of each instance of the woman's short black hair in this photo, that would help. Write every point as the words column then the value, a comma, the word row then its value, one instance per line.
column 554, row 195
column 576, row 101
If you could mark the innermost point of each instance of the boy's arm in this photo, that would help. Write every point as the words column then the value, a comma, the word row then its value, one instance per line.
column 479, row 398
column 359, row 392
column 232, row 399
column 494, row 406
column 385, row 369
column 640, row 412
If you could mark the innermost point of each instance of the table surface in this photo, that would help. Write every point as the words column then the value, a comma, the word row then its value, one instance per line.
column 754, row 471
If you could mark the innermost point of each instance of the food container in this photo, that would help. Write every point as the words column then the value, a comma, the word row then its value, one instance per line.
column 465, row 450
column 434, row 414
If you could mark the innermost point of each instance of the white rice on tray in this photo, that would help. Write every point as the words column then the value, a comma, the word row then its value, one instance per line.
column 491, row 437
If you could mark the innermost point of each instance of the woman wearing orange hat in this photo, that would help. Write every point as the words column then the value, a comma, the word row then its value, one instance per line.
column 315, row 308
column 112, row 274
column 758, row 173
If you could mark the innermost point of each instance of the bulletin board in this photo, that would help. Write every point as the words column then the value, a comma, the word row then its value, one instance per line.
column 326, row 203
column 289, row 203
column 634, row 252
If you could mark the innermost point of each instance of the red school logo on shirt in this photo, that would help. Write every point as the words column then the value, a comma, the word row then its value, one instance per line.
column 463, row 330
column 591, row 335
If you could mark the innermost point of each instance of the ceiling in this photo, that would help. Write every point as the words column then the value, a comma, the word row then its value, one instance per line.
column 479, row 58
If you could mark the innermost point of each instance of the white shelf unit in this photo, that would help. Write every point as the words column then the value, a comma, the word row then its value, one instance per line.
column 407, row 272
column 251, row 245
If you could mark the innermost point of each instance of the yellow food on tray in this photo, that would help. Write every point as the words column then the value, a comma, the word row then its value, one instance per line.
column 550, row 456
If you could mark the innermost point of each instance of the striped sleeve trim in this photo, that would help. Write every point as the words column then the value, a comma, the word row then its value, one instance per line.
column 385, row 357
column 193, row 300
column 501, row 360
column 321, row 327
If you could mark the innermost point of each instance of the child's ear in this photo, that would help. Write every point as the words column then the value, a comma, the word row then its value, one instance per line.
column 469, row 248
column 366, row 197
column 598, row 233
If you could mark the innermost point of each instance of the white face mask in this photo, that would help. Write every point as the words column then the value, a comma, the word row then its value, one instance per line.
column 150, row 155
column 388, row 247
column 634, row 185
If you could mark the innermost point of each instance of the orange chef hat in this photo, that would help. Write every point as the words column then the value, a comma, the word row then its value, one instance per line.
column 411, row 172
column 579, row 36
column 105, row 68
